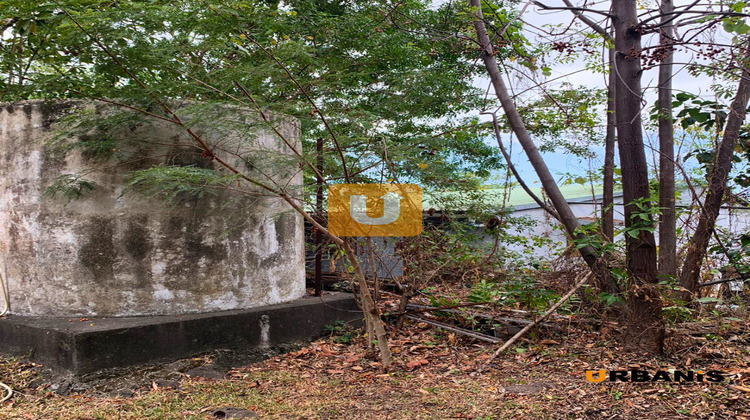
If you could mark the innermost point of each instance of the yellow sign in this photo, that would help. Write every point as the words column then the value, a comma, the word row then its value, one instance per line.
column 375, row 209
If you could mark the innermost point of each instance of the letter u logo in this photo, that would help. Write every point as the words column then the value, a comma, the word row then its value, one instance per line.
column 590, row 375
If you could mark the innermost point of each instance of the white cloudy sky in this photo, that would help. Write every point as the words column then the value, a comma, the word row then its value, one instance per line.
column 534, row 16
column 575, row 72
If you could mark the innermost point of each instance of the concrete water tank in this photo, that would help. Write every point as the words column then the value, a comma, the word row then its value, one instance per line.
column 113, row 252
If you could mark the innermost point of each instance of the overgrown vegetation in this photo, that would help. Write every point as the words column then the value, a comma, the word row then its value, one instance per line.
column 385, row 92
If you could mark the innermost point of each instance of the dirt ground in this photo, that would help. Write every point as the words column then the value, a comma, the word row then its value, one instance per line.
column 438, row 377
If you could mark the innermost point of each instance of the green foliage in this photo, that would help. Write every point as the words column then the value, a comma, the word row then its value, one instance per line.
column 736, row 25
column 525, row 290
column 589, row 234
column 69, row 186
column 176, row 184
column 395, row 97
column 521, row 290
column 566, row 119
column 341, row 332
column 676, row 314
column 733, row 252
column 609, row 299
column 708, row 300
column 708, row 118
column 484, row 291
column 641, row 218
column 97, row 134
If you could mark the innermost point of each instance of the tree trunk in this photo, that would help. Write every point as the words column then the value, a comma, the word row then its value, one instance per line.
column 607, row 284
column 608, row 187
column 645, row 329
column 567, row 217
column 722, row 164
column 667, row 219
column 373, row 322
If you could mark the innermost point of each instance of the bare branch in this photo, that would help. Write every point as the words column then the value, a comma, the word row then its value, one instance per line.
column 588, row 21
column 512, row 167
column 579, row 9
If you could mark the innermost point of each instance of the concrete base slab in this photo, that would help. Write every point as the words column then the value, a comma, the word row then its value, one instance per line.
column 84, row 345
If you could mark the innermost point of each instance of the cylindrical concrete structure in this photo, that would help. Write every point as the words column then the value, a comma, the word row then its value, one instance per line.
column 113, row 252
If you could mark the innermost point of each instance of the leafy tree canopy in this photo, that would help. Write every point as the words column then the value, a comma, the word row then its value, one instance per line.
column 394, row 80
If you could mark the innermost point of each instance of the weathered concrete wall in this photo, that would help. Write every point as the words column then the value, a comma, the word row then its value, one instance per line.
column 116, row 253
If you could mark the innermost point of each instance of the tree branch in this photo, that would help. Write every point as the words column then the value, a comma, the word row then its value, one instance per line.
column 588, row 21
column 579, row 9
column 512, row 167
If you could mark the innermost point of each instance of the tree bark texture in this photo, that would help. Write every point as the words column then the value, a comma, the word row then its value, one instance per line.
column 645, row 327
column 608, row 187
column 722, row 164
column 667, row 218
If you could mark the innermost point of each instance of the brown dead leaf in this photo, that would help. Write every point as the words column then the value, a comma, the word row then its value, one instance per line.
column 417, row 363
column 325, row 351
column 303, row 351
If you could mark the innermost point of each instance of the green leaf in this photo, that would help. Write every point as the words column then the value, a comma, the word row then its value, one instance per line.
column 682, row 96
column 708, row 300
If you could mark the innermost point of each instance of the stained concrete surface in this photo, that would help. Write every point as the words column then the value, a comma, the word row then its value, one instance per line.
column 82, row 346
column 113, row 252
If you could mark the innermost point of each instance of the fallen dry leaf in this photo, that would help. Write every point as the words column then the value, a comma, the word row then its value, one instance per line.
column 416, row 363
column 740, row 388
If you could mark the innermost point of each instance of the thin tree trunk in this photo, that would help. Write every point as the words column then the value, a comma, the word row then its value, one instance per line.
column 722, row 164
column 608, row 187
column 608, row 223
column 645, row 329
column 513, row 169
column 373, row 269
column 561, row 206
column 372, row 314
column 667, row 219
column 567, row 217
column 319, row 214
column 607, row 282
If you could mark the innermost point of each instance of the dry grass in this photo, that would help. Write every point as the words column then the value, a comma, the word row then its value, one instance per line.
column 437, row 379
